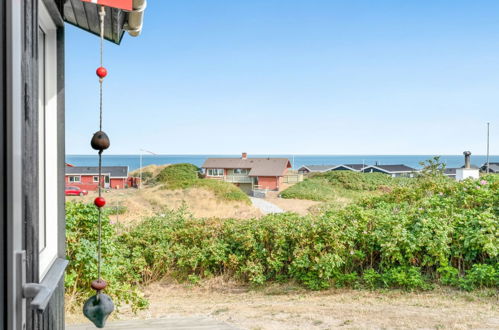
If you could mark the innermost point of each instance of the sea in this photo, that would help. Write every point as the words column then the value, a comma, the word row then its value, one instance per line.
column 134, row 161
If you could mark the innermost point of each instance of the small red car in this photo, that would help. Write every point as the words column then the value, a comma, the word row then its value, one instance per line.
column 75, row 191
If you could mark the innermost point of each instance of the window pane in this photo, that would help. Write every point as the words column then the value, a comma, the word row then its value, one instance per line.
column 42, row 224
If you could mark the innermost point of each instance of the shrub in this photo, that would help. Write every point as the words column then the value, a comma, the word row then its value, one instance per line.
column 183, row 176
column 178, row 176
column 409, row 238
column 343, row 184
column 81, row 251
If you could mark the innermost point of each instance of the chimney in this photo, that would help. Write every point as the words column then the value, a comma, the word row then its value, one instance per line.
column 244, row 156
column 467, row 163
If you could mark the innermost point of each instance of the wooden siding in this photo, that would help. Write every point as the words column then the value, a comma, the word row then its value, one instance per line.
column 86, row 16
column 53, row 317
column 3, row 171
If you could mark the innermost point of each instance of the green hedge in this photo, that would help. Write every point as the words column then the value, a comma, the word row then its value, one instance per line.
column 406, row 238
column 435, row 232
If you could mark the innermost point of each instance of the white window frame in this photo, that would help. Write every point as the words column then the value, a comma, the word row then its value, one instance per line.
column 215, row 172
column 74, row 179
column 95, row 179
column 48, row 169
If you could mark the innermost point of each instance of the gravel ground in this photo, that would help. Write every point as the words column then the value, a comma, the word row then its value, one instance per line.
column 265, row 207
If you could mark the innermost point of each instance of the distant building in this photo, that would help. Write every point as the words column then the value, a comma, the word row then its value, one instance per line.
column 349, row 167
column 493, row 167
column 450, row 172
column 305, row 169
column 87, row 177
column 392, row 170
column 248, row 173
column 467, row 171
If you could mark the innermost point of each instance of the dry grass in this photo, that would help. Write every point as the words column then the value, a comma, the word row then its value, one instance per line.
column 154, row 169
column 151, row 200
column 290, row 307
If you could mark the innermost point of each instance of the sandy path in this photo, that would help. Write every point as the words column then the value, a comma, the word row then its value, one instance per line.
column 264, row 206
column 290, row 307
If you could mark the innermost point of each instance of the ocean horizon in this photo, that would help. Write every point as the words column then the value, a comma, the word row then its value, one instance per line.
column 133, row 161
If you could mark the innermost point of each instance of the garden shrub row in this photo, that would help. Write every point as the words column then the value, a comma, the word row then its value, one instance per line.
column 433, row 232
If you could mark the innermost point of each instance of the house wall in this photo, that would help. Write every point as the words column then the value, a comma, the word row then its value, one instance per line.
column 87, row 182
column 118, row 183
column 53, row 316
column 268, row 182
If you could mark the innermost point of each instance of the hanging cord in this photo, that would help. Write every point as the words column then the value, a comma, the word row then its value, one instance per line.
column 102, row 14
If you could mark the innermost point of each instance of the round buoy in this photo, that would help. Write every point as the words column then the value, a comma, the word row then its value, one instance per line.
column 99, row 202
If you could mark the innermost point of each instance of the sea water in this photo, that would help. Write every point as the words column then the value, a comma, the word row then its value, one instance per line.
column 133, row 161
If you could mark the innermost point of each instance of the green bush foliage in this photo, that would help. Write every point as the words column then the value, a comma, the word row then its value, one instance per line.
column 433, row 232
column 330, row 185
column 403, row 239
column 81, row 251
column 178, row 176
column 183, row 176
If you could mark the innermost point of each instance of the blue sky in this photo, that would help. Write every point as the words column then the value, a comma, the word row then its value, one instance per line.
column 302, row 77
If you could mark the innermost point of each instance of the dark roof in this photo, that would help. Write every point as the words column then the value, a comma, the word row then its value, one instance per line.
column 113, row 171
column 356, row 167
column 317, row 168
column 393, row 168
column 494, row 167
column 257, row 166
column 85, row 15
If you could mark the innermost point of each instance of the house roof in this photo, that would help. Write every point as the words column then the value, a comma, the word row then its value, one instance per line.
column 317, row 168
column 493, row 167
column 353, row 167
column 392, row 168
column 113, row 171
column 85, row 15
column 257, row 166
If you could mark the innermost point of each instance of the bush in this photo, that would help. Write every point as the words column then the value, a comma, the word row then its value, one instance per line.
column 406, row 239
column 435, row 231
column 183, row 176
column 81, row 251
column 178, row 176
column 343, row 184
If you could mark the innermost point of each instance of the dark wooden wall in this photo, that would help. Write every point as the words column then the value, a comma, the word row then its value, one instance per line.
column 3, row 173
column 53, row 317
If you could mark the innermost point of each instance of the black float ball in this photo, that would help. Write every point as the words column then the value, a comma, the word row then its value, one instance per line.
column 100, row 141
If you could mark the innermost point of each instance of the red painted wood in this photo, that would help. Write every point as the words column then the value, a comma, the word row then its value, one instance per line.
column 121, row 4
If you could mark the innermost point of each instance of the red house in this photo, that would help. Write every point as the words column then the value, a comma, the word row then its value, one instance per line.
column 248, row 173
column 87, row 177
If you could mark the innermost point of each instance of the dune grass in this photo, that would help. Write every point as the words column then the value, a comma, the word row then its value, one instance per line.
column 183, row 176
column 344, row 185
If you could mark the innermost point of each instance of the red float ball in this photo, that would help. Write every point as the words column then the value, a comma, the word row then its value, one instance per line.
column 101, row 72
column 100, row 202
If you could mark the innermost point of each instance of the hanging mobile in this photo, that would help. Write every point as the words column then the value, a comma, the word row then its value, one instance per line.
column 98, row 307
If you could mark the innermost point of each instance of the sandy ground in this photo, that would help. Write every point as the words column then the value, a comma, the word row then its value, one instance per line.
column 151, row 200
column 290, row 307
column 302, row 207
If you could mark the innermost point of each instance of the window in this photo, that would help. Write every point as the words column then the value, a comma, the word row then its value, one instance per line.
column 96, row 178
column 215, row 172
column 47, row 141
column 241, row 171
column 75, row 179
